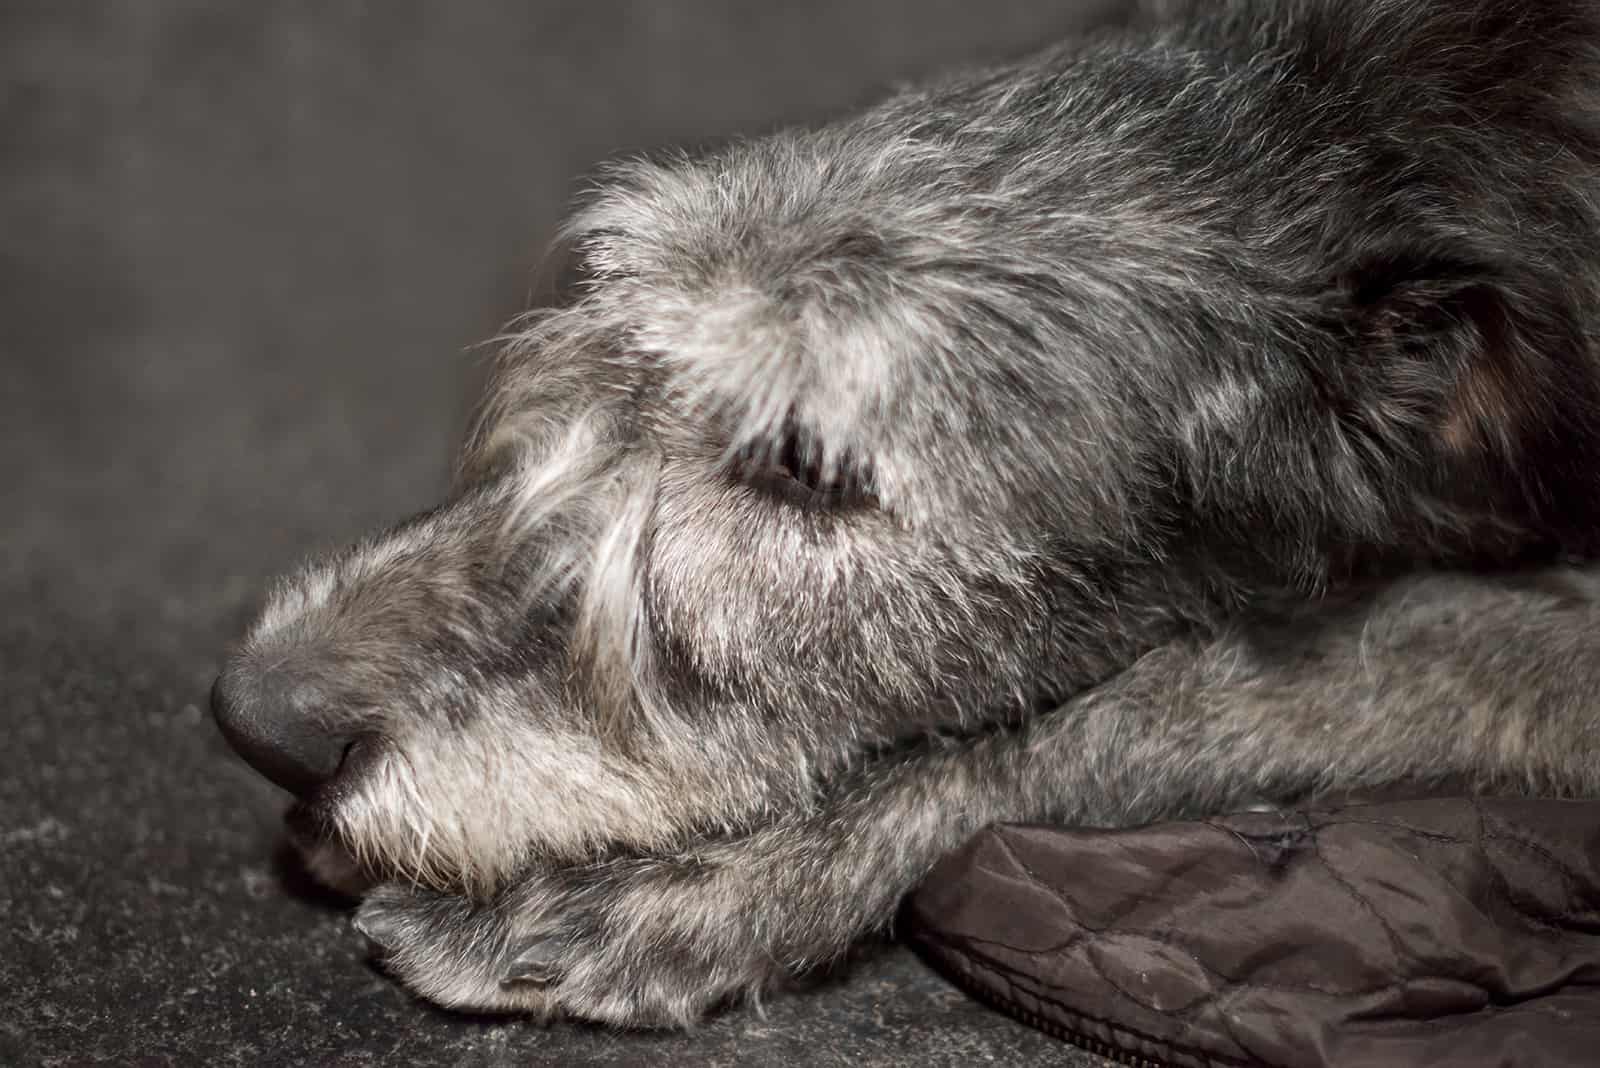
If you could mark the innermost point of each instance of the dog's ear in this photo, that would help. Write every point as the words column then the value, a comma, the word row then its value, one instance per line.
column 1446, row 356
column 1460, row 364
column 1469, row 381
column 1431, row 386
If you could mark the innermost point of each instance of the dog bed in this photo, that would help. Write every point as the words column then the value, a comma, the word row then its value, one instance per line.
column 1439, row 932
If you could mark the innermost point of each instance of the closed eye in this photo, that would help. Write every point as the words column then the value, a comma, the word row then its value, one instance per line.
column 797, row 470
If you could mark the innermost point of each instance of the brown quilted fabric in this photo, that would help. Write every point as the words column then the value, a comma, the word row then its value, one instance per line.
column 1453, row 933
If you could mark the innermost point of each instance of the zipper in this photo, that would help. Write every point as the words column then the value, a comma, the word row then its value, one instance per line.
column 1056, row 1030
column 964, row 978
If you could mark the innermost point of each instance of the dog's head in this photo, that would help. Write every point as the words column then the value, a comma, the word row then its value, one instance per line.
column 923, row 418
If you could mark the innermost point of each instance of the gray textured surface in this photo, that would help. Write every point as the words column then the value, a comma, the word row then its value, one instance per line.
column 242, row 254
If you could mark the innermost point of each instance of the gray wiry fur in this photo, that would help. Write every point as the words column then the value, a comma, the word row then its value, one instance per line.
column 1052, row 443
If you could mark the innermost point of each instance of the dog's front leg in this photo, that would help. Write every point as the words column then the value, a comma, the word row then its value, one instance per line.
column 1492, row 681
column 657, row 941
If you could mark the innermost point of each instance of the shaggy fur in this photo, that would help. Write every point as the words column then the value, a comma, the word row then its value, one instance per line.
column 1051, row 443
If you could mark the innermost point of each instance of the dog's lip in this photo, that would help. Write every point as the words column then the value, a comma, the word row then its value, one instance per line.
column 312, row 817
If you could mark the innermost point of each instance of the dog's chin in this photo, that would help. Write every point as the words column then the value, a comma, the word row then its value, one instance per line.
column 325, row 858
column 310, row 827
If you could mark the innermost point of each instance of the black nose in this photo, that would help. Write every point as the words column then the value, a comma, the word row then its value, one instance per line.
column 276, row 723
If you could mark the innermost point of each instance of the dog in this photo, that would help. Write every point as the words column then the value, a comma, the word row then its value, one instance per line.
column 1192, row 415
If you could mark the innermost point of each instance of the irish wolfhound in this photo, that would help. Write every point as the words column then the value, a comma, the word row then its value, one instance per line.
column 1051, row 443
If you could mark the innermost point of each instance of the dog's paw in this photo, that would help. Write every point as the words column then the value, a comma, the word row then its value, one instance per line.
column 635, row 943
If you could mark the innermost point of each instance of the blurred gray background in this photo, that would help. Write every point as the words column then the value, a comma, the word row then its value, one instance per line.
column 245, row 252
